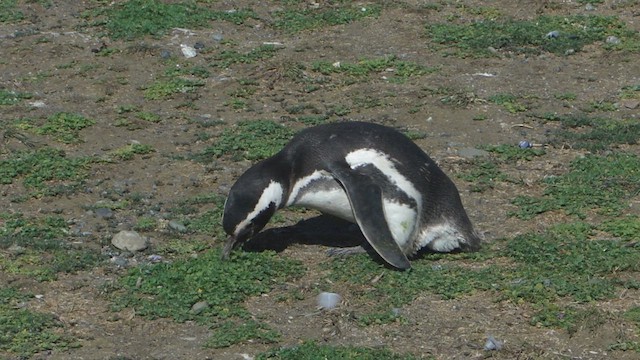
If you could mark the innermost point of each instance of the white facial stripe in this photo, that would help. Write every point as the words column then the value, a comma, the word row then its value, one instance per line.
column 304, row 182
column 383, row 163
column 442, row 238
column 271, row 194
column 402, row 221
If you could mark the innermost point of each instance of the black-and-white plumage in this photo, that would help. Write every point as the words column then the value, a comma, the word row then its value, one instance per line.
column 365, row 173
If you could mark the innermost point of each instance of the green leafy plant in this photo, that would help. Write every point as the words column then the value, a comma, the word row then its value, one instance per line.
column 390, row 65
column 230, row 57
column 39, row 169
column 593, row 182
column 64, row 127
column 531, row 36
column 9, row 12
column 24, row 332
column 294, row 20
column 312, row 351
column 136, row 18
column 251, row 140
column 171, row 289
column 165, row 88
column 11, row 97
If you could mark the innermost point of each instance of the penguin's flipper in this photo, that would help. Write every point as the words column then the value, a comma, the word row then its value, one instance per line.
column 365, row 198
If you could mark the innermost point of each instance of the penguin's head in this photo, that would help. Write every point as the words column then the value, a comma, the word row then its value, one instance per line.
column 252, row 201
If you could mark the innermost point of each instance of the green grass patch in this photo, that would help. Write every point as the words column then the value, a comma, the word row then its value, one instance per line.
column 148, row 116
column 128, row 152
column 145, row 223
column 166, row 88
column 206, row 222
column 626, row 228
column 630, row 92
column 312, row 351
column 530, row 36
column 512, row 153
column 64, row 127
column 12, row 97
column 184, row 70
column 483, row 175
column 39, row 247
column 251, row 140
column 564, row 262
column 295, row 19
column 595, row 133
column 509, row 102
column 232, row 332
column 24, row 332
column 44, row 169
column 169, row 290
column 136, row 18
column 230, row 57
column 9, row 12
column 396, row 70
column 603, row 183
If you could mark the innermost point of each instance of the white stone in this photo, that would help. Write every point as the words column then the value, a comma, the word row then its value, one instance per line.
column 328, row 300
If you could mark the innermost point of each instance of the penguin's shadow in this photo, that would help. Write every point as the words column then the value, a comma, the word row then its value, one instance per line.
column 322, row 230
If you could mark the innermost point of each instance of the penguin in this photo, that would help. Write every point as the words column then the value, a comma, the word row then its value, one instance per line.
column 368, row 174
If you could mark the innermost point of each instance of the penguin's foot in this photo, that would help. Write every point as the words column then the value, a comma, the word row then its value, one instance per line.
column 346, row 251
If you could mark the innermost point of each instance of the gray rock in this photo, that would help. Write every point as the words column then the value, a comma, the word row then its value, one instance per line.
column 613, row 40
column 129, row 240
column 104, row 213
column 119, row 261
column 630, row 103
column 177, row 226
column 492, row 344
column 199, row 307
column 470, row 153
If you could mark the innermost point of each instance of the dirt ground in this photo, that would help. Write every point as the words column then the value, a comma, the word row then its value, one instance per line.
column 95, row 86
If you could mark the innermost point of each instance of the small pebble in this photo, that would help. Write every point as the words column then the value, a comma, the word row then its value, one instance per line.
column 198, row 307
column 613, row 40
column 119, row 261
column 328, row 300
column 104, row 213
column 165, row 54
column 154, row 258
column 553, row 34
column 492, row 344
column 188, row 51
column 524, row 144
column 177, row 226
column 198, row 46
column 217, row 37
column 589, row 7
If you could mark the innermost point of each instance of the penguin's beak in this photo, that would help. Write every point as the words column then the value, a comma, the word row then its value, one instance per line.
column 228, row 246
column 238, row 238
